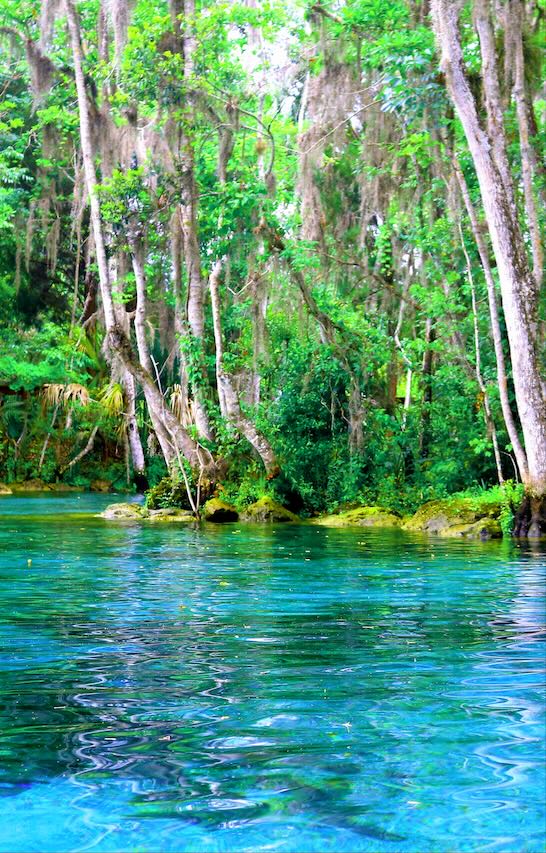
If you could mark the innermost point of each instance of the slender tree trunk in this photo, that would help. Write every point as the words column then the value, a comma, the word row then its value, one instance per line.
column 117, row 340
column 89, row 166
column 502, row 379
column 406, row 360
column 356, row 413
column 48, row 436
column 179, row 326
column 258, row 265
column 426, row 372
column 489, row 420
column 227, row 394
column 133, row 435
column 156, row 414
column 518, row 287
column 195, row 311
column 516, row 26
column 392, row 371
column 260, row 298
column 87, row 449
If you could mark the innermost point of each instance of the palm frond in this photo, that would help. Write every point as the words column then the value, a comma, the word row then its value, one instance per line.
column 111, row 399
column 177, row 402
column 52, row 394
column 76, row 393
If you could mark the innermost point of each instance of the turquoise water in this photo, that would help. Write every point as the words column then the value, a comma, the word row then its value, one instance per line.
column 249, row 688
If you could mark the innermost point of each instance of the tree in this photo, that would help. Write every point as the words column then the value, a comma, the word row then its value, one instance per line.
column 488, row 147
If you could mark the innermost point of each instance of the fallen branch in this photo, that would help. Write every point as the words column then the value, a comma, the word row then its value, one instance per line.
column 87, row 449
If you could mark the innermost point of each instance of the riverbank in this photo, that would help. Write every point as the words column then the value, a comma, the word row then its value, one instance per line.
column 36, row 485
column 486, row 514
column 455, row 517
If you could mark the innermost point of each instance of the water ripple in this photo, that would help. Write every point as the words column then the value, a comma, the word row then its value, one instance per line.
column 249, row 688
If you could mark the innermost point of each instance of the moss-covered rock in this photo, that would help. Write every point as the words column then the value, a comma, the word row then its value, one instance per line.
column 137, row 512
column 363, row 516
column 452, row 516
column 485, row 528
column 5, row 490
column 125, row 512
column 169, row 514
column 217, row 510
column 268, row 510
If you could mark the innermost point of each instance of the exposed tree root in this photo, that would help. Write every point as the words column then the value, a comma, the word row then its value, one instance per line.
column 530, row 518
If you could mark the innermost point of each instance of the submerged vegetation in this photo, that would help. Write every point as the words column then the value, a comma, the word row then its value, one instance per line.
column 258, row 251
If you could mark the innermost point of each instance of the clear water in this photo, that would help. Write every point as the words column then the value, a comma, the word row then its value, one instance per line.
column 242, row 688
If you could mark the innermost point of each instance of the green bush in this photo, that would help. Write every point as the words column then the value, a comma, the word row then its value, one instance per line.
column 511, row 497
column 168, row 493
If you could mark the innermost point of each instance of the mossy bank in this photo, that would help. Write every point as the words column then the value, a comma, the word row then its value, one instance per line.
column 464, row 517
column 215, row 511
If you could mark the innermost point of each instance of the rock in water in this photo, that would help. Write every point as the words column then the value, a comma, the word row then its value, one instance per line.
column 171, row 513
column 362, row 516
column 217, row 510
column 125, row 512
column 467, row 518
column 268, row 510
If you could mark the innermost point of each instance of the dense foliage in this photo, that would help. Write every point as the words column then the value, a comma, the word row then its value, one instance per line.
column 290, row 254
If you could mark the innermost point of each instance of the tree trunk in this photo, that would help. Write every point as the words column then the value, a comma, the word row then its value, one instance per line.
column 195, row 312
column 117, row 339
column 260, row 297
column 356, row 412
column 227, row 394
column 516, row 27
column 156, row 412
column 179, row 328
column 133, row 436
column 426, row 372
column 518, row 287
column 116, row 270
column 489, row 420
column 406, row 360
column 502, row 379
column 87, row 449
column 89, row 166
